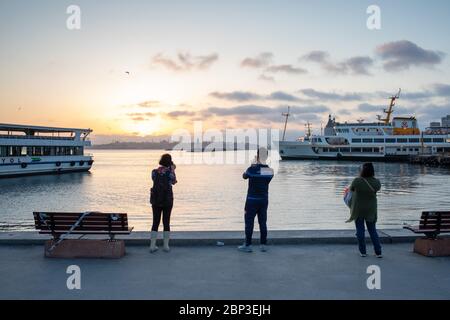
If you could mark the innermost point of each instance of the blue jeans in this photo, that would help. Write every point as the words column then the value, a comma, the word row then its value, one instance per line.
column 360, row 230
column 253, row 208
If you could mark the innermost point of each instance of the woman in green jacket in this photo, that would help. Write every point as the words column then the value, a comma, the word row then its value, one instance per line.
column 364, row 208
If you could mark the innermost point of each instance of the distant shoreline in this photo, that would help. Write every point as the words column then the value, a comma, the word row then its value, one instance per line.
column 163, row 145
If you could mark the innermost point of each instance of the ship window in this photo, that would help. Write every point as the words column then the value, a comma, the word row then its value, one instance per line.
column 14, row 151
column 376, row 150
column 47, row 151
column 356, row 140
column 367, row 149
column 438, row 140
column 426, row 140
column 23, row 151
column 402, row 140
column 440, row 149
column 414, row 140
column 356, row 149
column 399, row 149
column 325, row 149
column 390, row 140
column 367, row 140
column 3, row 151
column 378, row 140
column 37, row 151
column 344, row 149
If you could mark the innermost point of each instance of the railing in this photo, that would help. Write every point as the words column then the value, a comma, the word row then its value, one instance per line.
column 36, row 137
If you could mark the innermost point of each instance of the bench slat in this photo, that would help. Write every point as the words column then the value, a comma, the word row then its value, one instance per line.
column 88, row 232
column 93, row 228
column 71, row 222
column 94, row 223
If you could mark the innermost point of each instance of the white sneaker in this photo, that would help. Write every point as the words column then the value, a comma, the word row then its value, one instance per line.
column 245, row 248
column 263, row 248
column 379, row 256
column 363, row 255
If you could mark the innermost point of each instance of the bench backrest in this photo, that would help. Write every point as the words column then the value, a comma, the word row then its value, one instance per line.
column 94, row 222
column 435, row 220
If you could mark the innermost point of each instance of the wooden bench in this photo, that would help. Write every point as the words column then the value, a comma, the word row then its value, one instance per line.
column 432, row 224
column 63, row 224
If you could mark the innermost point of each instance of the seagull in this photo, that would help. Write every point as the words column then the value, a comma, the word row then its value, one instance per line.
column 127, row 72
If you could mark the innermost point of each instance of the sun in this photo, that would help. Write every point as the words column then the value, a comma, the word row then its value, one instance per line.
column 146, row 127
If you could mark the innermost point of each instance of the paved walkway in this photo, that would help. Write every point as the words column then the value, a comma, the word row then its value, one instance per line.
column 314, row 271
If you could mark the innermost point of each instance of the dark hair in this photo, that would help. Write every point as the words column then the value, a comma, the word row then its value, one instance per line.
column 367, row 170
column 166, row 160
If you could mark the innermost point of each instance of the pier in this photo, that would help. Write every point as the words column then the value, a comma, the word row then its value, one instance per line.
column 299, row 265
column 439, row 160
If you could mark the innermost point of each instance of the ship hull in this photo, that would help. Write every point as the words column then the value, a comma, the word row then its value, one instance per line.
column 15, row 167
column 350, row 158
column 381, row 153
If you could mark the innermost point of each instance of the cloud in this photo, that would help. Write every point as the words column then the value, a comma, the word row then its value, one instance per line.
column 331, row 96
column 358, row 65
column 367, row 107
column 239, row 110
column 282, row 96
column 286, row 68
column 260, row 61
column 140, row 116
column 236, row 96
column 185, row 61
column 242, row 96
column 243, row 110
column 176, row 114
column 442, row 90
column 402, row 55
column 437, row 90
column 265, row 77
column 149, row 104
column 316, row 56
column 432, row 112
column 264, row 61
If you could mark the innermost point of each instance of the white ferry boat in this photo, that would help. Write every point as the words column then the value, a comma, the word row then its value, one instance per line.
column 385, row 140
column 28, row 150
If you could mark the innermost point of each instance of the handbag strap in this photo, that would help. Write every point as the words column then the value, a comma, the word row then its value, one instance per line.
column 370, row 186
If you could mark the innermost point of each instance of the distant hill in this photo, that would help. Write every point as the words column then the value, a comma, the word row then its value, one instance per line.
column 162, row 145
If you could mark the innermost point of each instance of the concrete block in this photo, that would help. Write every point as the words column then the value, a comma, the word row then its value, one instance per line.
column 433, row 248
column 70, row 249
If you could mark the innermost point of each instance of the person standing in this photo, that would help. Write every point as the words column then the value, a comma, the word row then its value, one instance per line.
column 161, row 199
column 364, row 209
column 259, row 176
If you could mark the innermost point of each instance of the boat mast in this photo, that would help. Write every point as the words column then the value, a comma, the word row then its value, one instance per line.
column 389, row 112
column 287, row 115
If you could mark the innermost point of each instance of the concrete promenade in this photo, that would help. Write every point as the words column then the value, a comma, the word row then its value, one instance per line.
column 299, row 265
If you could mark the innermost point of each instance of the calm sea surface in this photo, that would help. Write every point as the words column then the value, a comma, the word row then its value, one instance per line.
column 303, row 194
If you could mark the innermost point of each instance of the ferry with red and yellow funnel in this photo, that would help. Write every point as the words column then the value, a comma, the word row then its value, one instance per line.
column 388, row 139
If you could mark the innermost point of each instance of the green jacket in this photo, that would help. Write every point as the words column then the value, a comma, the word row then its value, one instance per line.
column 364, row 199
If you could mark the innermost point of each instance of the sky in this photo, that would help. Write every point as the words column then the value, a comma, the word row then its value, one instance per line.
column 142, row 69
